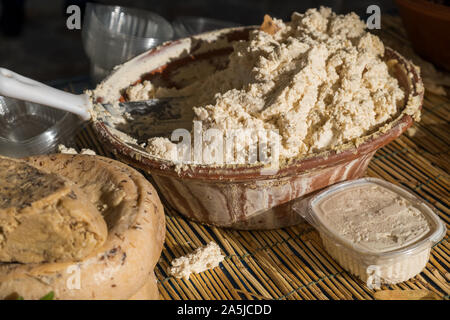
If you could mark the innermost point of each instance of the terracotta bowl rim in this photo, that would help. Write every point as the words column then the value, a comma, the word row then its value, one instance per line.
column 295, row 166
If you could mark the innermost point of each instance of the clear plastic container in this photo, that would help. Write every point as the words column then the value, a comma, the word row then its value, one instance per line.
column 186, row 26
column 375, row 268
column 29, row 128
column 112, row 35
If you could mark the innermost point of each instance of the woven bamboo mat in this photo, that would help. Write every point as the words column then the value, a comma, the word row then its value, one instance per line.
column 291, row 263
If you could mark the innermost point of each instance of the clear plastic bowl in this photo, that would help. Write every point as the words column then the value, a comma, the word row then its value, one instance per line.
column 113, row 34
column 185, row 26
column 30, row 129
column 373, row 267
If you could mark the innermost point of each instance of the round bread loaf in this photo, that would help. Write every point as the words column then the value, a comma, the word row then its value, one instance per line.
column 44, row 217
column 136, row 229
column 149, row 291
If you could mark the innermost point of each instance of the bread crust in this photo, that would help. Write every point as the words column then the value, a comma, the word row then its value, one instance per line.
column 149, row 291
column 136, row 230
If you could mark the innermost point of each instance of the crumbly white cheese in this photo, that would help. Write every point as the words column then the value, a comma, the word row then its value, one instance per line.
column 63, row 149
column 162, row 148
column 88, row 151
column 202, row 259
column 411, row 132
column 320, row 81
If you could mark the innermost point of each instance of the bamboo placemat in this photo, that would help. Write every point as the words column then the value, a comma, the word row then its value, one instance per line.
column 291, row 263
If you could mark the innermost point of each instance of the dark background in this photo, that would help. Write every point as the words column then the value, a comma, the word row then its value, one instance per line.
column 38, row 44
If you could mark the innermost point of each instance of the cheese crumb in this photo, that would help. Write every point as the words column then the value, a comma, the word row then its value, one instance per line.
column 411, row 132
column 88, row 151
column 63, row 149
column 202, row 259
column 162, row 148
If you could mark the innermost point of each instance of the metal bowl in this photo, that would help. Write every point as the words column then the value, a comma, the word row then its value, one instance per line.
column 241, row 197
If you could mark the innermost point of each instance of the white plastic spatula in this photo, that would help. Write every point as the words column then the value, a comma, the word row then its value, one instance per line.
column 14, row 85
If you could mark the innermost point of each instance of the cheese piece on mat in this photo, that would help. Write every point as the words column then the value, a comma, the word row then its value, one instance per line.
column 44, row 217
column 202, row 259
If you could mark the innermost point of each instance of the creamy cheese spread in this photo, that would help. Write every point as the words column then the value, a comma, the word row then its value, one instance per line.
column 372, row 217
column 318, row 81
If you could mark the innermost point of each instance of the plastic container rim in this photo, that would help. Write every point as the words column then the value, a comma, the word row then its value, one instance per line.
column 434, row 236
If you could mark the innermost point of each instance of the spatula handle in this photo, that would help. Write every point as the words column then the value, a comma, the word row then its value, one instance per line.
column 19, row 87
